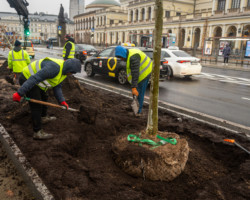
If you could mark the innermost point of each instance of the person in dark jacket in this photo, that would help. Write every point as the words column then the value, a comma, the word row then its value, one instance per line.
column 36, row 79
column 69, row 48
column 139, row 68
column 226, row 53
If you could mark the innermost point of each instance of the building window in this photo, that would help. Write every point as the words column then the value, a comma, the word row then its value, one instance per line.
column 167, row 14
column 221, row 5
column 178, row 14
column 235, row 4
column 136, row 15
column 248, row 3
column 149, row 13
column 111, row 21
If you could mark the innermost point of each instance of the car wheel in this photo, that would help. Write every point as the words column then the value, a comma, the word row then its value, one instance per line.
column 89, row 70
column 122, row 77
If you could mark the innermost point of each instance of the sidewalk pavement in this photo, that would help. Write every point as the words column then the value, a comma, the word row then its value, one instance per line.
column 221, row 65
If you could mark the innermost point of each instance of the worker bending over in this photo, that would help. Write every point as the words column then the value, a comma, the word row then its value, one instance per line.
column 36, row 79
column 139, row 68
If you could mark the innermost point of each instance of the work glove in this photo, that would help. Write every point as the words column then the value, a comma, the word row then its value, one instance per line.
column 135, row 92
column 65, row 104
column 16, row 97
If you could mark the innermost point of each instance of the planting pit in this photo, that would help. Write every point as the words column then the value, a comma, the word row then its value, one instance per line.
column 78, row 162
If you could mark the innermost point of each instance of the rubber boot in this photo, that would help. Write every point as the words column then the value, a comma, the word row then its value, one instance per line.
column 41, row 135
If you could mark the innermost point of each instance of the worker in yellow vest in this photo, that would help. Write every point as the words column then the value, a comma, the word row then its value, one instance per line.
column 36, row 79
column 18, row 59
column 69, row 48
column 139, row 68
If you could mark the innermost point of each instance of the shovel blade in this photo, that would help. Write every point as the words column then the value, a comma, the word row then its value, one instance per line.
column 135, row 105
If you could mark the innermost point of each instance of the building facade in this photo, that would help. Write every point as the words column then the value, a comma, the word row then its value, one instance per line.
column 194, row 24
column 42, row 26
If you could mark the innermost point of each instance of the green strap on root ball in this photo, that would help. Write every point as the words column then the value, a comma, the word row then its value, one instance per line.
column 137, row 139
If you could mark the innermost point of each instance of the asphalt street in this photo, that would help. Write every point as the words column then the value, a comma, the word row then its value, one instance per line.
column 217, row 92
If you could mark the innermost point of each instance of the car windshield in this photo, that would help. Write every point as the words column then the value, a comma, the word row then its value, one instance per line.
column 181, row 54
column 28, row 44
column 86, row 47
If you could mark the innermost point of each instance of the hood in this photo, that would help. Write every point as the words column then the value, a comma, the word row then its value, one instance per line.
column 121, row 52
column 71, row 66
column 71, row 40
column 16, row 49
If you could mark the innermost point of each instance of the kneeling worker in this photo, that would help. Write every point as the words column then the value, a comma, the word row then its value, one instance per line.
column 36, row 79
column 139, row 68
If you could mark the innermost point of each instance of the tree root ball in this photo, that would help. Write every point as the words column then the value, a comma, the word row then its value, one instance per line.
column 163, row 163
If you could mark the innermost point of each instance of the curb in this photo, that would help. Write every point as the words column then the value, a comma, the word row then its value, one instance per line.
column 226, row 67
column 31, row 178
column 238, row 129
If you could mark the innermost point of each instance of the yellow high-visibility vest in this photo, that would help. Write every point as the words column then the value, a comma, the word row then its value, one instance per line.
column 18, row 60
column 35, row 67
column 145, row 65
column 72, row 50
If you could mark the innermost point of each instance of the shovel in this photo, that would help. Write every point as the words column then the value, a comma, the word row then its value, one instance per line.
column 135, row 105
column 236, row 144
column 50, row 104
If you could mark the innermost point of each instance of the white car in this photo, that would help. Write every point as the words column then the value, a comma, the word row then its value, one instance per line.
column 181, row 63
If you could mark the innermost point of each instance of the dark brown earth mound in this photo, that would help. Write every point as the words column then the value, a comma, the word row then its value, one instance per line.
column 78, row 164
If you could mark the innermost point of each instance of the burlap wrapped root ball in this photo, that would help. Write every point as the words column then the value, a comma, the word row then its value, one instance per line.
column 163, row 163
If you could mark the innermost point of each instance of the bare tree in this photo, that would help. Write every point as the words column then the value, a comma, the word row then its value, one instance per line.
column 152, row 126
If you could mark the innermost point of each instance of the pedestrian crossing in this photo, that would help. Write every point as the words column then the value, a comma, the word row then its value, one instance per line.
column 226, row 79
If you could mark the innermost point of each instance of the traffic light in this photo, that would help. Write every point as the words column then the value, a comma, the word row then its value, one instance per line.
column 26, row 27
column 26, row 30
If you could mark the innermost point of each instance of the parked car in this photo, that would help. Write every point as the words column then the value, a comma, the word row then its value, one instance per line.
column 29, row 48
column 105, row 63
column 181, row 63
column 83, row 51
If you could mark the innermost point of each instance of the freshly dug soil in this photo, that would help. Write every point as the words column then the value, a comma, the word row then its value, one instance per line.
column 78, row 162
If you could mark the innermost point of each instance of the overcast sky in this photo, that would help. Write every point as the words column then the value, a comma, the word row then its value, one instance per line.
column 47, row 6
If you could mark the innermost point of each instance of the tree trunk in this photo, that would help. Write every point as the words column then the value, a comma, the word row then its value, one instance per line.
column 152, row 126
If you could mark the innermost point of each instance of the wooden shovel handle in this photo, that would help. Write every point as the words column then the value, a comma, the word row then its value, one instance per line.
column 45, row 103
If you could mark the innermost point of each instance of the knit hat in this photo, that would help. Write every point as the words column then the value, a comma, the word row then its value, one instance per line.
column 67, row 36
column 121, row 52
column 17, row 43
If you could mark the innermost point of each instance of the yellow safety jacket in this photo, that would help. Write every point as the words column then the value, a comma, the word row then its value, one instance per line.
column 35, row 66
column 18, row 60
column 72, row 50
column 145, row 65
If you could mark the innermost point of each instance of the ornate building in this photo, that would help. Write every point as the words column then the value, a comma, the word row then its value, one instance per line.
column 194, row 23
column 42, row 26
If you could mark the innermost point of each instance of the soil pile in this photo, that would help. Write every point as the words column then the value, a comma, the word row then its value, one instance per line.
column 78, row 162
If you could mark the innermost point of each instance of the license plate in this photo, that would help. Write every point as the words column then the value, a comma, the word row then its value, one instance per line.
column 194, row 63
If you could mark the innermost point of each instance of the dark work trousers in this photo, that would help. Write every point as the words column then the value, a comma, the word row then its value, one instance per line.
column 37, row 110
column 225, row 59
column 141, row 87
